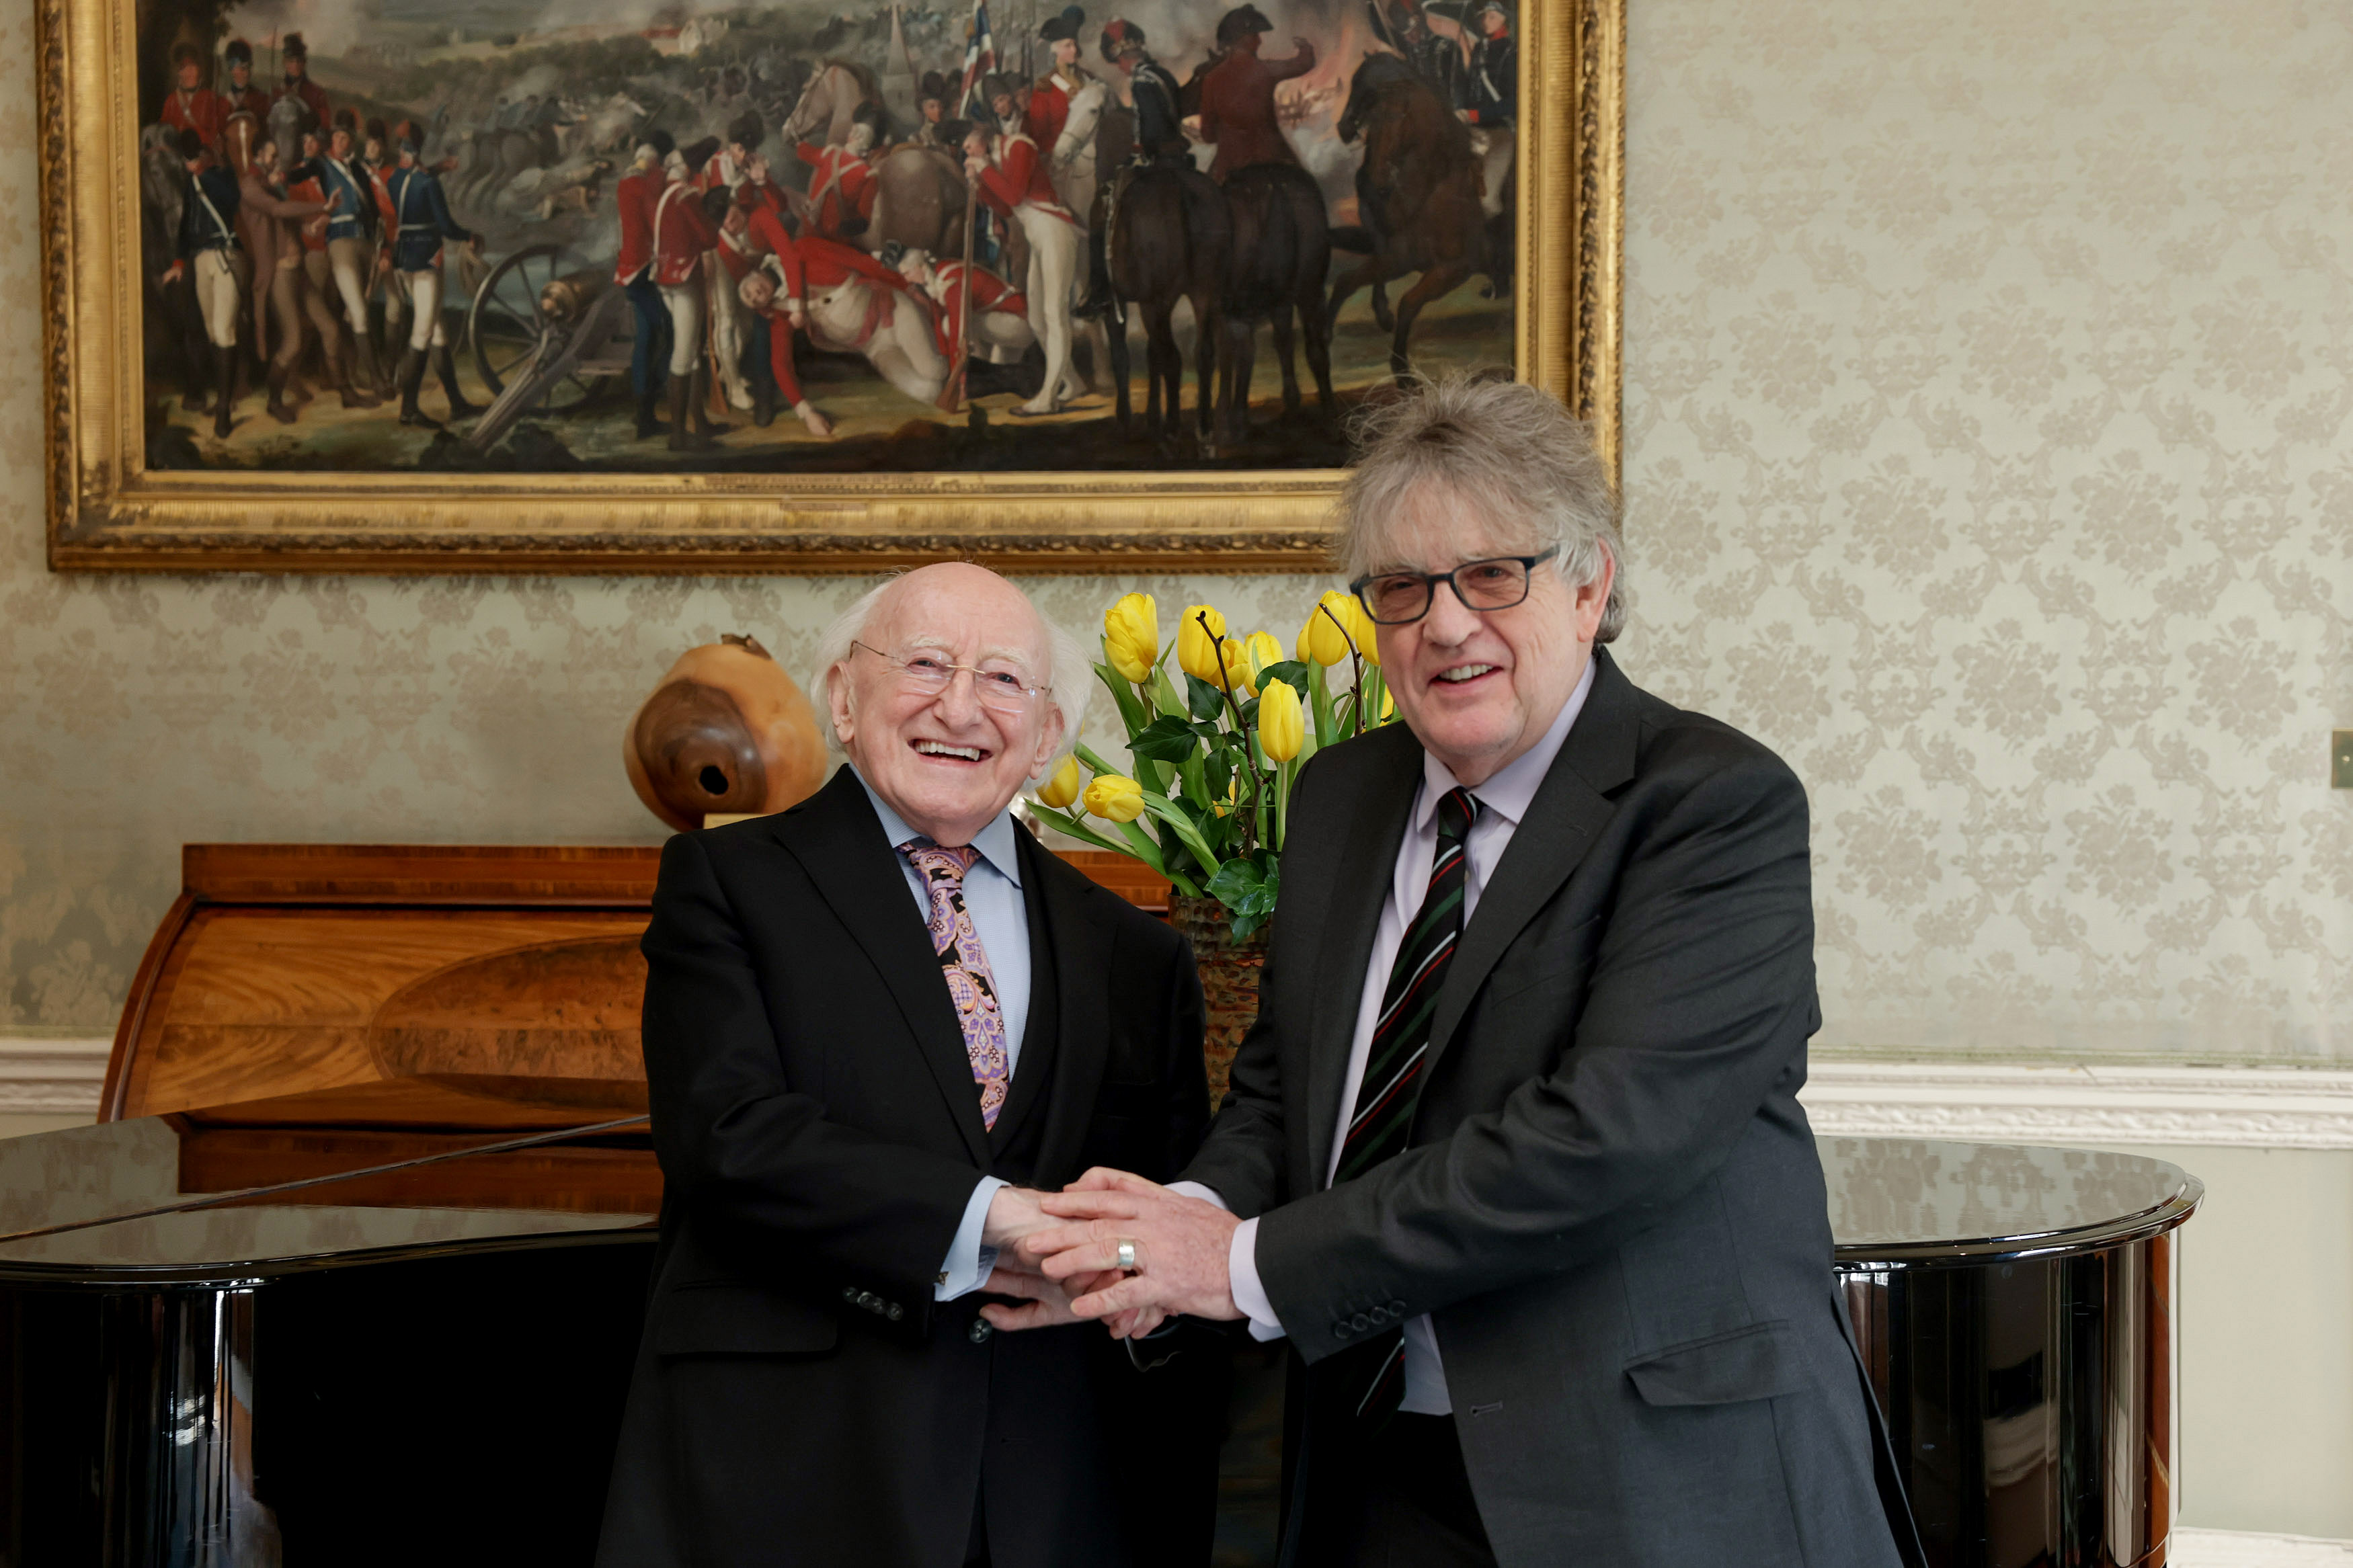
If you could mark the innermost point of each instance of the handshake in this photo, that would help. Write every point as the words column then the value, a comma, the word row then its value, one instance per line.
column 1111, row 1248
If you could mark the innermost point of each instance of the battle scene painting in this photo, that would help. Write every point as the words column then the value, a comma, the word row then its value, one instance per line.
column 642, row 236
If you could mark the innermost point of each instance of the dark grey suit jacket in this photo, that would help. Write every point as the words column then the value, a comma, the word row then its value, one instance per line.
column 1612, row 1203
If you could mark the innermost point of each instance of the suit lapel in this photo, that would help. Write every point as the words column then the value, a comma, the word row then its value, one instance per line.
column 839, row 842
column 1561, row 824
column 1081, row 954
column 1364, row 846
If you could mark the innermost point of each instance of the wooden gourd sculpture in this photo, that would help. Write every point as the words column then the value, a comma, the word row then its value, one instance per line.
column 725, row 731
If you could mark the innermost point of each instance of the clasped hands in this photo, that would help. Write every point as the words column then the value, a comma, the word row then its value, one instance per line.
column 1058, row 1252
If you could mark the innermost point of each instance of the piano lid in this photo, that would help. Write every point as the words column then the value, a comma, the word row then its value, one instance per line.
column 1909, row 1201
column 81, row 1204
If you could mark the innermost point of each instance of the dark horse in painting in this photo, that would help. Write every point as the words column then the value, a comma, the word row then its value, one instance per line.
column 1282, row 254
column 1419, row 194
column 1171, row 240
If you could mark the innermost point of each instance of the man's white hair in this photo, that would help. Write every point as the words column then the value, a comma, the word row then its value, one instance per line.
column 1507, row 449
column 1069, row 675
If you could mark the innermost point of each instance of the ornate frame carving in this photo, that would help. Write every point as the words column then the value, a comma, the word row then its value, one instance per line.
column 107, row 512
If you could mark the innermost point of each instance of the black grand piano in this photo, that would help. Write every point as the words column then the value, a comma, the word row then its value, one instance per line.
column 352, row 1271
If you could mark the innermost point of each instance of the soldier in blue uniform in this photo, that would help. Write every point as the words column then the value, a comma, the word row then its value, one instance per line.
column 422, row 222
column 1488, row 92
column 1438, row 59
column 1160, row 142
column 340, row 272
column 206, row 245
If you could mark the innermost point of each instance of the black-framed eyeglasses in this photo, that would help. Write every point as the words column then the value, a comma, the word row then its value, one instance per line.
column 1401, row 598
column 927, row 672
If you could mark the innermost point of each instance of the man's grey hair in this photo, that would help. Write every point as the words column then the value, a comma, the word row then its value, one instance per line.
column 1069, row 675
column 1509, row 451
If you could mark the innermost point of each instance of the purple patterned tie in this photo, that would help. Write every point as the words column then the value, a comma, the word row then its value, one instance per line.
column 971, row 987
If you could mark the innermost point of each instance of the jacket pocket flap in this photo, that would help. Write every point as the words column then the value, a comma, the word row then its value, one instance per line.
column 739, row 1320
column 1759, row 1362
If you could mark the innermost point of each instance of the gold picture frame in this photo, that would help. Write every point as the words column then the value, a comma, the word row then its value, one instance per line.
column 109, row 511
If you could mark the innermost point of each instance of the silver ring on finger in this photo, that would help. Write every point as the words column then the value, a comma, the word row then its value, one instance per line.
column 1127, row 1256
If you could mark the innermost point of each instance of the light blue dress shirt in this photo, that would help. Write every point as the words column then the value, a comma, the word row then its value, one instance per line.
column 992, row 896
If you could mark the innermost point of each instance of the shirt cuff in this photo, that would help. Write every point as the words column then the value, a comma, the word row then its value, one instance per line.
column 968, row 1262
column 1241, row 1267
column 1241, row 1278
column 1196, row 1190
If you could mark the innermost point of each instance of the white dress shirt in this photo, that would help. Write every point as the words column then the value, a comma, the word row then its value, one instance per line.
column 1504, row 800
column 992, row 896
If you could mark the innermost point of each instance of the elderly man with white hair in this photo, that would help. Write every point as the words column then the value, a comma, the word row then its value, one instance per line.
column 1513, row 1155
column 876, row 1026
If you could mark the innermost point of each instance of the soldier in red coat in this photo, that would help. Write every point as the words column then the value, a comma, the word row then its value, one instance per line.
column 1049, row 98
column 855, row 304
column 682, row 233
column 634, row 196
column 1000, row 330
column 773, row 288
column 243, row 97
column 1012, row 180
column 375, row 164
column 190, row 106
column 848, row 302
column 297, row 83
column 737, row 154
column 841, row 189
column 1238, row 95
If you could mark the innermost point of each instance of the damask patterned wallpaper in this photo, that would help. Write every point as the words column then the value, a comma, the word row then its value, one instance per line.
column 1986, row 370
column 1986, row 404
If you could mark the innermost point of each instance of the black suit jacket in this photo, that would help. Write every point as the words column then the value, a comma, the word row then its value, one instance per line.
column 799, row 1397
column 1611, row 1202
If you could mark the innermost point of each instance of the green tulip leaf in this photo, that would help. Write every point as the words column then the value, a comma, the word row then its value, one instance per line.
column 1290, row 672
column 1248, row 891
column 1219, row 774
column 1166, row 740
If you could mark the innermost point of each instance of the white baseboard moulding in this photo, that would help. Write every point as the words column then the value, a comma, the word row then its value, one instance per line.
column 1998, row 1102
column 1988, row 1102
column 52, row 1077
column 2247, row 1549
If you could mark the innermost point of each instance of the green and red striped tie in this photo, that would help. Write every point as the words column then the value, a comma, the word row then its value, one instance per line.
column 1392, row 1083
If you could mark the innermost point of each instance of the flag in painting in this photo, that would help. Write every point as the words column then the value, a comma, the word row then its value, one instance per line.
column 979, row 57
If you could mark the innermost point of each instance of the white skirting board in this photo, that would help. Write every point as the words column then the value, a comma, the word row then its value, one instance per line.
column 52, row 1077
column 1999, row 1102
column 1992, row 1102
column 2245, row 1549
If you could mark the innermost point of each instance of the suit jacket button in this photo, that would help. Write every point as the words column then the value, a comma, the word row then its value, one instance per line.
column 980, row 1331
column 1396, row 1308
column 1360, row 1322
column 894, row 1312
column 1340, row 1330
column 849, row 1294
column 1378, row 1315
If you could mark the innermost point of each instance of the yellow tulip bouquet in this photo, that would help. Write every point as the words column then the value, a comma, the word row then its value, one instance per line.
column 1209, row 797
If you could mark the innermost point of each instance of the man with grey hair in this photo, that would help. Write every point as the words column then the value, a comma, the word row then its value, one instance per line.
column 1513, row 1154
column 877, row 1025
